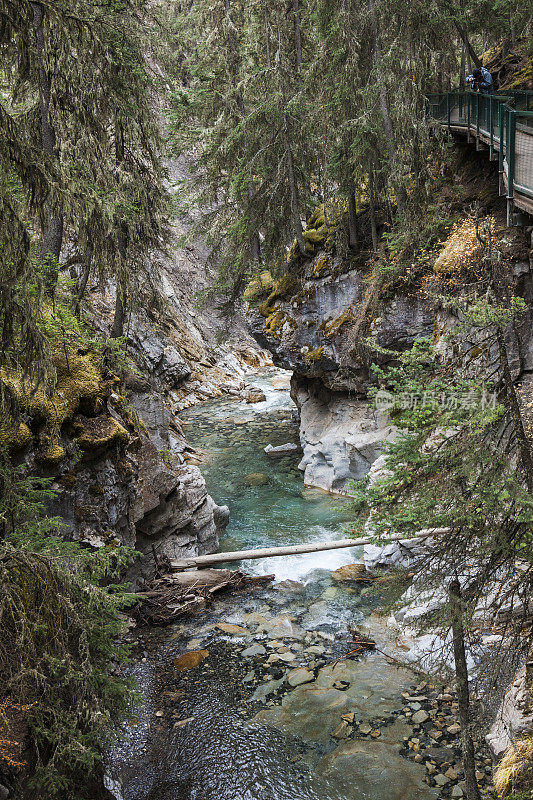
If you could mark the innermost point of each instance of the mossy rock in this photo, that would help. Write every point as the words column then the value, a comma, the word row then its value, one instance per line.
column 99, row 433
column 50, row 453
column 259, row 286
column 315, row 236
column 313, row 355
column 321, row 267
column 15, row 437
column 78, row 378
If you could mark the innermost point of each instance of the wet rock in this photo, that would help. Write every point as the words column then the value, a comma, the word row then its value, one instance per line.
column 256, row 479
column 420, row 717
column 441, row 780
column 316, row 649
column 227, row 627
column 342, row 731
column 255, row 397
column 299, row 676
column 183, row 722
column 190, row 660
column 376, row 769
column 254, row 650
column 349, row 573
column 454, row 729
column 288, row 657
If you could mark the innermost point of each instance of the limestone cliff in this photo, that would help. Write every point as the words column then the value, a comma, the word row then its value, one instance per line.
column 318, row 319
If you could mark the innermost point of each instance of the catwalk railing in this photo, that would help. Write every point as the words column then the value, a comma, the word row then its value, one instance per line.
column 502, row 123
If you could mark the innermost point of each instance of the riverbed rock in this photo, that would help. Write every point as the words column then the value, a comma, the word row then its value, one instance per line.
column 254, row 650
column 376, row 769
column 342, row 731
column 190, row 660
column 255, row 396
column 349, row 573
column 420, row 716
column 256, row 479
column 299, row 676
column 227, row 627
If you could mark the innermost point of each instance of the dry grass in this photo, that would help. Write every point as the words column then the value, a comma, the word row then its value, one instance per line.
column 515, row 770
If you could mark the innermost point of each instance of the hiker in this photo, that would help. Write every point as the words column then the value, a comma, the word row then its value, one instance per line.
column 482, row 80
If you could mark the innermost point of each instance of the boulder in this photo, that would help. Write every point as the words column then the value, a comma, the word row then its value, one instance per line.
column 349, row 573
column 256, row 479
column 190, row 660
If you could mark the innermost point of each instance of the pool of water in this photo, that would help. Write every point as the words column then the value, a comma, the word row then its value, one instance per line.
column 269, row 504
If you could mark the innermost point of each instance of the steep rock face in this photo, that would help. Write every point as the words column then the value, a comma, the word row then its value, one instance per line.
column 310, row 323
column 341, row 437
column 316, row 322
column 123, row 480
column 311, row 328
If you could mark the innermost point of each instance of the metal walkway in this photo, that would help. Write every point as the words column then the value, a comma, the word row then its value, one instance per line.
column 503, row 124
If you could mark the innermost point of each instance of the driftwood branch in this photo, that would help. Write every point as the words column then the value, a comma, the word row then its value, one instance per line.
column 169, row 597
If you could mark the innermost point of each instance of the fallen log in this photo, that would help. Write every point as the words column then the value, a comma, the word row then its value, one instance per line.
column 295, row 549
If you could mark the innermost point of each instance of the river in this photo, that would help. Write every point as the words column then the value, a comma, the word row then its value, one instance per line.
column 253, row 699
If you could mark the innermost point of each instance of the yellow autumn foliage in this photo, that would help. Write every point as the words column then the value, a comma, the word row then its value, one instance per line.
column 462, row 249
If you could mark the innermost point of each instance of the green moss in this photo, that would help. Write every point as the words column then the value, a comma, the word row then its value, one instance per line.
column 96, row 490
column 315, row 236
column 14, row 437
column 78, row 378
column 322, row 266
column 313, row 355
column 259, row 286
column 333, row 327
column 68, row 480
column 50, row 452
column 100, row 433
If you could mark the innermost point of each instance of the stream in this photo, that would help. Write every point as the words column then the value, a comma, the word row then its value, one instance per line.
column 249, row 700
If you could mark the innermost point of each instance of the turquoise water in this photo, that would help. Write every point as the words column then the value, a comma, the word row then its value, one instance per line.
column 231, row 436
column 220, row 731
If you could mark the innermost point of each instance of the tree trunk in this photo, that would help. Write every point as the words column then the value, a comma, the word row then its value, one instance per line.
column 297, row 36
column 466, row 41
column 526, row 456
column 373, row 225
column 295, row 210
column 53, row 230
column 267, row 39
column 84, row 279
column 462, row 68
column 463, row 692
column 352, row 222
column 117, row 329
column 399, row 190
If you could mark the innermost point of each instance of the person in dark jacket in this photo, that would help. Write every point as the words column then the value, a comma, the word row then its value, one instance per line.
column 481, row 79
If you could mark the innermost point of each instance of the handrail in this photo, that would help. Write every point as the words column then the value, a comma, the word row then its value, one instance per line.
column 501, row 122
